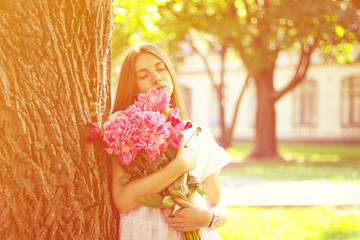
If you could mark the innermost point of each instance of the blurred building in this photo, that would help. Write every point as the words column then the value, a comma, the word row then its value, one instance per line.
column 324, row 107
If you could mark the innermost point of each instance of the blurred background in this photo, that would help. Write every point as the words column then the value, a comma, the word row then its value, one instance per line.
column 278, row 83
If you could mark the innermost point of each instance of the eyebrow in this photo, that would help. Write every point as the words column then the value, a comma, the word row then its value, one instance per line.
column 156, row 64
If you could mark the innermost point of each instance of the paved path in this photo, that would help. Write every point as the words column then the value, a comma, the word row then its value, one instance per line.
column 260, row 192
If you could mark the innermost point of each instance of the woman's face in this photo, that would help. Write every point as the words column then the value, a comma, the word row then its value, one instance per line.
column 152, row 72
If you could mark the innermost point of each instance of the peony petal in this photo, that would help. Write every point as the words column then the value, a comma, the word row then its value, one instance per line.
column 151, row 155
column 178, row 127
column 188, row 125
column 103, row 143
column 173, row 112
column 174, row 121
column 134, row 153
column 163, row 147
column 94, row 131
column 93, row 125
column 174, row 141
column 125, row 158
column 90, row 140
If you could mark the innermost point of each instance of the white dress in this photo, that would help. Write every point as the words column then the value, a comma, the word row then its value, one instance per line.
column 149, row 223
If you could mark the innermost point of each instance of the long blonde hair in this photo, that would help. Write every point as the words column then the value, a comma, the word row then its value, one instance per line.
column 126, row 89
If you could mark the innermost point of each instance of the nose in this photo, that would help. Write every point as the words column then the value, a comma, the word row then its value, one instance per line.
column 156, row 77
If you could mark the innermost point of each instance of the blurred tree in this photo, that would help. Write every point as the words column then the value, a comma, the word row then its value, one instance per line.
column 135, row 22
column 55, row 75
column 189, row 22
column 258, row 31
column 268, row 27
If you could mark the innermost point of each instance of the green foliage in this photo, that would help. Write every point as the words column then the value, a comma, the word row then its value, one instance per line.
column 134, row 22
column 302, row 161
column 257, row 30
column 152, row 201
column 278, row 223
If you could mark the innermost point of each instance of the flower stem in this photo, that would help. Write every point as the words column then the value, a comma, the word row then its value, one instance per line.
column 197, row 133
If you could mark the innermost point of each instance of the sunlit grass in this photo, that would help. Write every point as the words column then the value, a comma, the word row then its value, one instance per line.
column 301, row 161
column 305, row 223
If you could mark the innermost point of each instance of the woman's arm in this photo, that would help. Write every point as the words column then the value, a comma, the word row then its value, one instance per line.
column 213, row 188
column 191, row 217
column 126, row 197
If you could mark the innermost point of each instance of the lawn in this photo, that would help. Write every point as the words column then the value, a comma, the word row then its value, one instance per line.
column 336, row 162
column 294, row 223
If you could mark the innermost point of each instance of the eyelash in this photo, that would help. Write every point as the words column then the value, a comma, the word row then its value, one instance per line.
column 158, row 69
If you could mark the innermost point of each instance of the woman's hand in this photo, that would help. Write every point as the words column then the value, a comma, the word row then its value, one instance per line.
column 185, row 157
column 189, row 218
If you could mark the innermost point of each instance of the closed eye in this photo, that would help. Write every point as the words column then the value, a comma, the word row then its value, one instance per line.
column 160, row 66
column 142, row 76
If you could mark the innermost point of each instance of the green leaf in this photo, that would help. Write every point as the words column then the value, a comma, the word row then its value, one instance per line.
column 179, row 194
column 191, row 195
column 153, row 201
column 201, row 190
column 123, row 180
column 181, row 184
column 166, row 113
column 159, row 161
column 168, row 202
column 192, row 180
column 176, row 208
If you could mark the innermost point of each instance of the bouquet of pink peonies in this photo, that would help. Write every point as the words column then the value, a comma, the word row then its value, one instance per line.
column 145, row 137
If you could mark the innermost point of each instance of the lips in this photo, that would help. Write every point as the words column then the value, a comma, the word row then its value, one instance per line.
column 161, row 87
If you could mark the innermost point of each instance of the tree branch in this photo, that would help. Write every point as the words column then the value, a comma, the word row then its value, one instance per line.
column 236, row 108
column 207, row 66
column 301, row 70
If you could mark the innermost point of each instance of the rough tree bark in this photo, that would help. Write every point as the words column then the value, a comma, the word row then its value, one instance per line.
column 55, row 59
column 265, row 134
column 265, row 127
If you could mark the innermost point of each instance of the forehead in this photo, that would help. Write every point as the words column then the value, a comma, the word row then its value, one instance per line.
column 146, row 60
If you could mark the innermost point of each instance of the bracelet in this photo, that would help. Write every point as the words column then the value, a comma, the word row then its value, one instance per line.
column 214, row 221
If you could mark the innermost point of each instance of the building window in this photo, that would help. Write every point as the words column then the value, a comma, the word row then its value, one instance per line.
column 350, row 102
column 305, row 103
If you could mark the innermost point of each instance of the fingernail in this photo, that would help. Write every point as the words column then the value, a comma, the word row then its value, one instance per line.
column 176, row 198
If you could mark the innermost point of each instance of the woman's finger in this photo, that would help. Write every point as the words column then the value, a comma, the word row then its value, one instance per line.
column 182, row 202
column 167, row 212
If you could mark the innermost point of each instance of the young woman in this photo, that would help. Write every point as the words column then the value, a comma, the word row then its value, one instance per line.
column 144, row 67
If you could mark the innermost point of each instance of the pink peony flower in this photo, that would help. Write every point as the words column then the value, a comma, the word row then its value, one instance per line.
column 142, row 128
column 177, row 125
column 150, row 133
column 174, row 141
column 94, row 133
column 173, row 112
column 117, row 135
column 133, row 131
column 153, row 100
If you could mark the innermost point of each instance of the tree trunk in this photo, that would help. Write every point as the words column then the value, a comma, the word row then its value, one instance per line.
column 265, row 134
column 55, row 59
